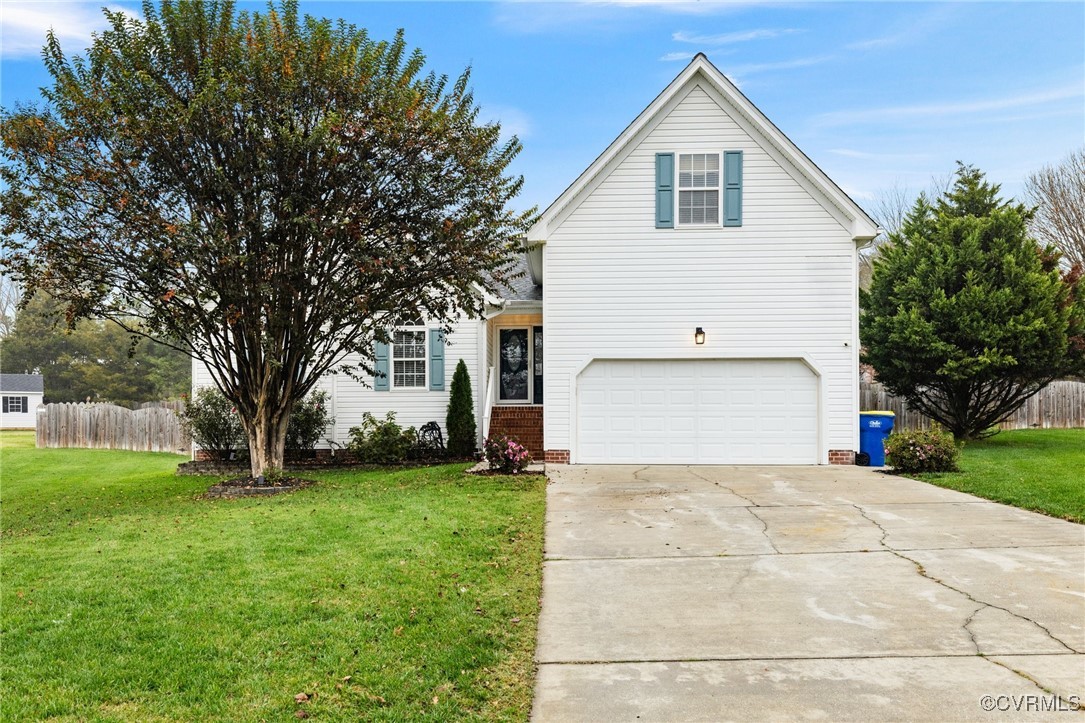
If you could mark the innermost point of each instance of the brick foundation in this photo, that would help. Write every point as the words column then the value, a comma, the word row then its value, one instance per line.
column 525, row 423
column 841, row 456
column 556, row 456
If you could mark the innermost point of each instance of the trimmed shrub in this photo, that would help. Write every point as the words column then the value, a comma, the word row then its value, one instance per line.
column 505, row 454
column 932, row 450
column 308, row 421
column 381, row 441
column 460, row 420
column 212, row 422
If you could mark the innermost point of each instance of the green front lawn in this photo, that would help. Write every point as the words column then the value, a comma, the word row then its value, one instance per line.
column 382, row 595
column 1037, row 469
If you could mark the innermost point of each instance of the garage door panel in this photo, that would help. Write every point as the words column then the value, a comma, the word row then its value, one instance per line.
column 652, row 397
column 682, row 425
column 684, row 397
column 713, row 398
column 653, row 425
column 760, row 411
column 713, row 424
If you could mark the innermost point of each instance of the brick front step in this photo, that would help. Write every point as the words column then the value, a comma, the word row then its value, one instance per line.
column 525, row 423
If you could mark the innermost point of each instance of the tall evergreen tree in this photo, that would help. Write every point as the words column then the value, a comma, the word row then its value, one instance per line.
column 967, row 317
column 460, row 420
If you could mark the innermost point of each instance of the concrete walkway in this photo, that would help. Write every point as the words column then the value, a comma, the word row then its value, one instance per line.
column 833, row 593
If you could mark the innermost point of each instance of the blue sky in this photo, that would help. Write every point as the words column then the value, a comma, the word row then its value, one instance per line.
column 878, row 94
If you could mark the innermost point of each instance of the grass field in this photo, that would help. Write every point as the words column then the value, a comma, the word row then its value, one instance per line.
column 381, row 595
column 1037, row 469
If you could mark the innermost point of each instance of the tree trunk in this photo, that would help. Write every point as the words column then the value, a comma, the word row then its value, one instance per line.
column 267, row 442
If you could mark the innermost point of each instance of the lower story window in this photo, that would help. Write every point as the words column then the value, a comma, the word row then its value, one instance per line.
column 15, row 405
column 409, row 358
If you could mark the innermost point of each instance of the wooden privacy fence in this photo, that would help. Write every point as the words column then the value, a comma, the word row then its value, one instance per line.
column 107, row 426
column 1058, row 405
column 177, row 405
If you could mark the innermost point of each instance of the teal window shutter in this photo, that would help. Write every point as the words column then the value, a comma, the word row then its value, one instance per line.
column 664, row 190
column 732, row 188
column 436, row 360
column 382, row 380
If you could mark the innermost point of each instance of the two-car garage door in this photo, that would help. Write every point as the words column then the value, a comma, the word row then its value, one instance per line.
column 713, row 411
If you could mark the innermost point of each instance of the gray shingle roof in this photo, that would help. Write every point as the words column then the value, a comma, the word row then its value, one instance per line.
column 522, row 288
column 22, row 383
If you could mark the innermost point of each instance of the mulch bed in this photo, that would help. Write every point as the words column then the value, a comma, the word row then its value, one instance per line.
column 499, row 473
column 214, row 467
column 247, row 487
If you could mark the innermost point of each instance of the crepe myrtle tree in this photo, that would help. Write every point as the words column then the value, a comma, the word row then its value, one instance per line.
column 265, row 191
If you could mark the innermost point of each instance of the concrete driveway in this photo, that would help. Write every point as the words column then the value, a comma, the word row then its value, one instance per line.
column 784, row 593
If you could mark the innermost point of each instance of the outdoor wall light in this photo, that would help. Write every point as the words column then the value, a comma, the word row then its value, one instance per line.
column 698, row 336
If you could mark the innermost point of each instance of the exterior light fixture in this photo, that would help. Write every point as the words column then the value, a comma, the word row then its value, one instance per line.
column 698, row 336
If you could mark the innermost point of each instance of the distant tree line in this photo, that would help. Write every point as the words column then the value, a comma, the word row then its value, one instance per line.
column 96, row 360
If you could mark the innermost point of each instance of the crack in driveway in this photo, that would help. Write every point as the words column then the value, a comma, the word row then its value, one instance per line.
column 922, row 571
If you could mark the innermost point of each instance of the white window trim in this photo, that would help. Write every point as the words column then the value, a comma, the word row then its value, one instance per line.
column 718, row 223
column 392, row 386
column 530, row 401
column 21, row 400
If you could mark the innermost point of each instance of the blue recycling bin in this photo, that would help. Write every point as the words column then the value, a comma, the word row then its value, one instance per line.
column 874, row 427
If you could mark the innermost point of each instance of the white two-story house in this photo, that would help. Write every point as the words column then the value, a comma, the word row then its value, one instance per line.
column 697, row 290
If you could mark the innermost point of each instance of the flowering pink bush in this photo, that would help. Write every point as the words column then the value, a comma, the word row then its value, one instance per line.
column 931, row 450
column 505, row 454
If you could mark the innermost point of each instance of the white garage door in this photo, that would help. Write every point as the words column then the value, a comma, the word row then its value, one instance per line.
column 757, row 411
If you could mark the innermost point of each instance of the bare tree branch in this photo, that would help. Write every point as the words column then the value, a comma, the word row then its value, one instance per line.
column 1058, row 192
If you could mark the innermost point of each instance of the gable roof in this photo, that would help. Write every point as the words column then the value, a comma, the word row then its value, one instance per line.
column 863, row 227
column 26, row 383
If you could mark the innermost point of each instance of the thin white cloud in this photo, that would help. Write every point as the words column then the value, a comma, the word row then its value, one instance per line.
column 680, row 55
column 857, row 194
column 882, row 42
column 912, row 112
column 751, row 68
column 609, row 16
column 880, row 157
column 920, row 28
column 736, row 37
column 514, row 122
column 687, row 7
column 24, row 25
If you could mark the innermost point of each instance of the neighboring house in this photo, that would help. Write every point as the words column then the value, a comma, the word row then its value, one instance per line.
column 20, row 395
column 700, row 306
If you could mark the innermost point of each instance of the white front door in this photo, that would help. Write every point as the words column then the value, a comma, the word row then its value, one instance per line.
column 749, row 411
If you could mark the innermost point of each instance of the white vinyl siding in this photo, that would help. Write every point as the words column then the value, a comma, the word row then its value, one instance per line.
column 698, row 188
column 782, row 285
column 349, row 398
column 20, row 410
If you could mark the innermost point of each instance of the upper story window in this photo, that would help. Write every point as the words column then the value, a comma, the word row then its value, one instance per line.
column 409, row 358
column 698, row 188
